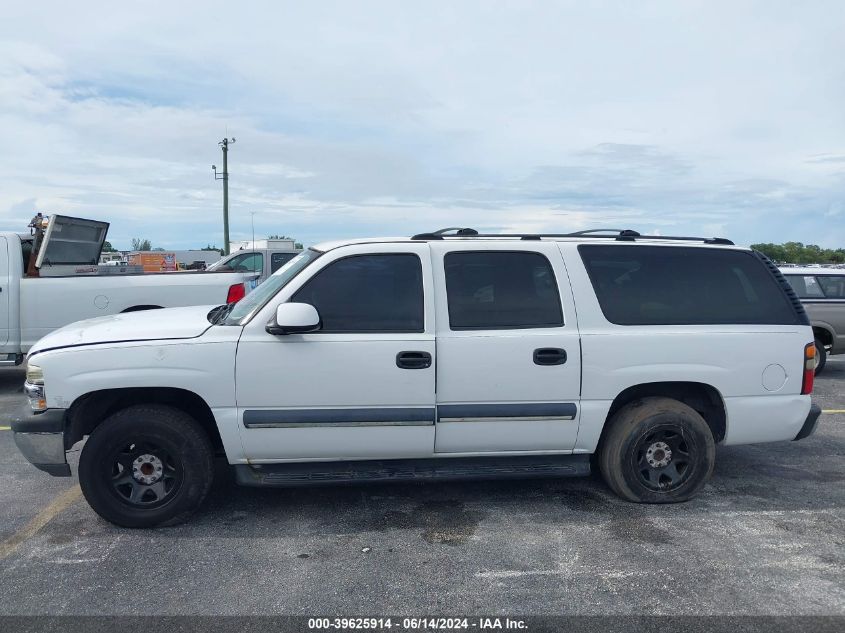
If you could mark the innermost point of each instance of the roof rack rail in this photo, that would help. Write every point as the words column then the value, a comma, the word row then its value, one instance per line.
column 622, row 235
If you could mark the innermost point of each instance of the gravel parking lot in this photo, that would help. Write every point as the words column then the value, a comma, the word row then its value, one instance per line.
column 767, row 536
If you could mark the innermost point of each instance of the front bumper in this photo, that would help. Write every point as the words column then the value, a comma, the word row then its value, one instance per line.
column 41, row 439
column 810, row 423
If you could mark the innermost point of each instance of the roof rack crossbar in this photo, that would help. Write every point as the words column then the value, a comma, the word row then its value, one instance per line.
column 591, row 231
column 440, row 233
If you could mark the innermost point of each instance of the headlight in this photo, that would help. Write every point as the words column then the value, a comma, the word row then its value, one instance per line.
column 34, row 388
column 34, row 375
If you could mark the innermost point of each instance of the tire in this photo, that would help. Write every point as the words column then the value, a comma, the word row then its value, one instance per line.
column 821, row 357
column 634, row 460
column 146, row 466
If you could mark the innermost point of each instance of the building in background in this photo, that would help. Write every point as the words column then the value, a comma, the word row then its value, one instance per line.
column 268, row 244
column 114, row 258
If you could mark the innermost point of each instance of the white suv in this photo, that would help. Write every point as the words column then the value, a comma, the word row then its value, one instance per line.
column 447, row 355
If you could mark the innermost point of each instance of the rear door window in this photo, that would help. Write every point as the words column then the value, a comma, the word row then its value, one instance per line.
column 501, row 290
column 671, row 285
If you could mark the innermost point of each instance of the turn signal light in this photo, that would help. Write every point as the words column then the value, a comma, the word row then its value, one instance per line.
column 236, row 293
column 809, row 369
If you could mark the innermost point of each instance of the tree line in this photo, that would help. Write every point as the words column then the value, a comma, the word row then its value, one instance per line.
column 798, row 253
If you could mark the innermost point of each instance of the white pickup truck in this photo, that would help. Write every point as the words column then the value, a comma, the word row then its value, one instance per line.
column 436, row 356
column 64, row 285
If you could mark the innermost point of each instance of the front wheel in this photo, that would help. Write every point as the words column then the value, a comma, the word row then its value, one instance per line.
column 657, row 450
column 146, row 466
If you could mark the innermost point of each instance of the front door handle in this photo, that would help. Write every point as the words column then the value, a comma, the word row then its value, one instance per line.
column 549, row 356
column 413, row 360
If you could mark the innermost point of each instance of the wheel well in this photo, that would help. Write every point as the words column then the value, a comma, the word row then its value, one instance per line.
column 90, row 410
column 139, row 308
column 823, row 335
column 703, row 398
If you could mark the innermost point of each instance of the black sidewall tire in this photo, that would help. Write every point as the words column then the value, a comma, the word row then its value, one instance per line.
column 636, row 420
column 171, row 428
column 822, row 353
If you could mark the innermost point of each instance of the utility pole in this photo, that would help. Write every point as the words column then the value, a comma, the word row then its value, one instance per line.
column 224, row 145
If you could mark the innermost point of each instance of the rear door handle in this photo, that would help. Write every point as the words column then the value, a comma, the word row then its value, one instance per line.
column 413, row 360
column 549, row 356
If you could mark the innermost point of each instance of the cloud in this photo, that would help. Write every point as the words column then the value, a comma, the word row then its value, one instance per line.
column 276, row 169
column 394, row 118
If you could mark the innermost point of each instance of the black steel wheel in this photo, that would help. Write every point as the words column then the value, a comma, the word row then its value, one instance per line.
column 657, row 450
column 144, row 473
column 662, row 458
column 146, row 466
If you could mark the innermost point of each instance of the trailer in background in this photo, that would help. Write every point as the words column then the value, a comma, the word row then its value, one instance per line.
column 154, row 261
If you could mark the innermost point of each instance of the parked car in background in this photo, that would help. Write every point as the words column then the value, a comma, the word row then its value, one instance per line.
column 822, row 291
column 62, row 282
column 261, row 261
column 639, row 351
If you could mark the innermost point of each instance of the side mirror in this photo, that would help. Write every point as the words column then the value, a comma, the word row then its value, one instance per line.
column 294, row 318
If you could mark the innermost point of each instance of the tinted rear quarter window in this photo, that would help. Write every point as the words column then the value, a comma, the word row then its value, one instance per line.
column 670, row 285
column 489, row 290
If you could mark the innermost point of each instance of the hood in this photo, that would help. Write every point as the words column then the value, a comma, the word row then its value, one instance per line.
column 144, row 325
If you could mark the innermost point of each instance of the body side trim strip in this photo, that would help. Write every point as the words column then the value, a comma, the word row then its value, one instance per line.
column 286, row 418
column 548, row 410
column 526, row 418
column 317, row 425
column 408, row 416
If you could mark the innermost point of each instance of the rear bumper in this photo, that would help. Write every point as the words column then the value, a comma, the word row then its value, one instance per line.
column 810, row 423
column 40, row 437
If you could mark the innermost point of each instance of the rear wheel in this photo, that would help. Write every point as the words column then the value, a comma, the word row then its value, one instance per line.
column 657, row 450
column 821, row 356
column 146, row 466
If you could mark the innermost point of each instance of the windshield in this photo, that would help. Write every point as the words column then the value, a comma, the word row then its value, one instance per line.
column 256, row 299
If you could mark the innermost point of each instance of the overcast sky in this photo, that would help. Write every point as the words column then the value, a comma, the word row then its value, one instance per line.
column 389, row 118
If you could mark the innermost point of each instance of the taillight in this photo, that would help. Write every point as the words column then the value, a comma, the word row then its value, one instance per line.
column 236, row 293
column 809, row 368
